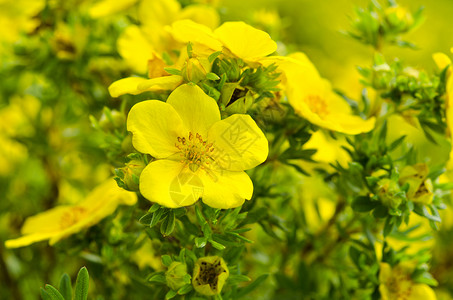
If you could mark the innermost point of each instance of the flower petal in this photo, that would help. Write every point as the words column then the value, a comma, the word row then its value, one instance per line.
column 226, row 189
column 135, row 48
column 200, row 35
column 245, row 41
column 109, row 7
column 202, row 14
column 422, row 291
column 158, row 13
column 29, row 239
column 170, row 184
column 239, row 144
column 197, row 110
column 125, row 86
column 155, row 128
column 164, row 83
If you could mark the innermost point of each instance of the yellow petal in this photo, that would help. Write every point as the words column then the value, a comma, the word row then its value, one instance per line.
column 226, row 189
column 385, row 272
column 422, row 291
column 45, row 222
column 155, row 127
column 244, row 41
column 158, row 13
column 202, row 14
column 186, row 31
column 197, row 110
column 170, row 183
column 239, row 144
column 158, row 84
column 135, row 48
column 28, row 239
column 441, row 60
column 126, row 86
column 109, row 7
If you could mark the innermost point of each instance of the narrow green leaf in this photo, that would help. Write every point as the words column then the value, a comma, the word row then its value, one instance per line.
column 157, row 216
column 212, row 76
column 185, row 289
column 216, row 245
column 159, row 278
column 81, row 286
column 173, row 71
column 65, row 286
column 252, row 286
column 53, row 292
column 171, row 294
column 45, row 295
column 363, row 204
column 213, row 56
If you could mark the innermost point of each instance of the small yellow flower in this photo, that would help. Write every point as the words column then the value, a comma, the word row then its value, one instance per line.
column 396, row 284
column 63, row 221
column 209, row 275
column 312, row 97
column 198, row 155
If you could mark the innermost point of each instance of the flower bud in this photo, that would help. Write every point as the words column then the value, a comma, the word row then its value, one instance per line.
column 132, row 172
column 209, row 275
column 175, row 275
column 194, row 71
column 389, row 192
column 399, row 18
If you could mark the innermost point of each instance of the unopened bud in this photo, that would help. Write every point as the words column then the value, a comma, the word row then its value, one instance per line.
column 176, row 275
column 194, row 71
column 420, row 187
column 389, row 192
column 399, row 18
column 132, row 172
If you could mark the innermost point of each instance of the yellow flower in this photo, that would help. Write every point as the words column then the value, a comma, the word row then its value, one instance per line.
column 198, row 155
column 396, row 284
column 138, row 44
column 312, row 97
column 63, row 221
column 109, row 7
column 234, row 39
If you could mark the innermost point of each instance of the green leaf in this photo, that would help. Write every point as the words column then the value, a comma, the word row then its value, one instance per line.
column 363, row 204
column 166, row 260
column 213, row 56
column 45, row 295
column 173, row 71
column 168, row 225
column 65, row 286
column 185, row 289
column 157, row 216
column 53, row 292
column 235, row 279
column 158, row 277
column 212, row 76
column 216, row 245
column 252, row 286
column 146, row 219
column 380, row 212
column 200, row 242
column 81, row 286
column 171, row 294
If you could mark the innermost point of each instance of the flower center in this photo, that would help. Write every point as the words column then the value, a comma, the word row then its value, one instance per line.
column 399, row 285
column 209, row 274
column 195, row 151
column 317, row 105
column 72, row 216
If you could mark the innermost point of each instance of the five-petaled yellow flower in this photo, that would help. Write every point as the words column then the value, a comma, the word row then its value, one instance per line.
column 396, row 284
column 65, row 220
column 197, row 154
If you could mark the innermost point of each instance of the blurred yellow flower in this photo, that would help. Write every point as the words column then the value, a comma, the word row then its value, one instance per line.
column 63, row 221
column 105, row 8
column 313, row 98
column 234, row 39
column 396, row 284
column 442, row 62
column 139, row 44
column 198, row 155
